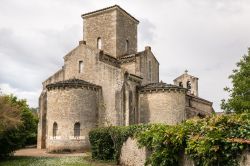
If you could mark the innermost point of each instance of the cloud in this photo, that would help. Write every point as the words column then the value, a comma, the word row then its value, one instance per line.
column 29, row 59
column 205, row 37
column 146, row 33
column 30, row 96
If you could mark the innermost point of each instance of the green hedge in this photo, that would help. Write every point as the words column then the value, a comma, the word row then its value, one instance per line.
column 217, row 140
column 106, row 142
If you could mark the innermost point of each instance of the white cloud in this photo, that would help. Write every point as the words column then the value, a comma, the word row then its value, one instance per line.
column 207, row 37
column 30, row 96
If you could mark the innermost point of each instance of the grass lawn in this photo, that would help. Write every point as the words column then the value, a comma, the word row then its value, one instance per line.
column 49, row 161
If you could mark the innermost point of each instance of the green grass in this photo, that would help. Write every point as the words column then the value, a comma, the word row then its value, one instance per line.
column 49, row 161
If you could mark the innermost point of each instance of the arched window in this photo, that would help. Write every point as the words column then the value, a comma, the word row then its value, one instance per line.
column 99, row 43
column 80, row 66
column 149, row 70
column 55, row 129
column 127, row 46
column 188, row 85
column 77, row 130
column 180, row 84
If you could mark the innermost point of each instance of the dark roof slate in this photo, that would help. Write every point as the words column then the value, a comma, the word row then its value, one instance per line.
column 71, row 82
column 160, row 85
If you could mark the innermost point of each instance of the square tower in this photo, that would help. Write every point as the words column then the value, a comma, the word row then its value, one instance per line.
column 112, row 30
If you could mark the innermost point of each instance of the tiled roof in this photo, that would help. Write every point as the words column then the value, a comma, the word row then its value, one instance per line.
column 160, row 85
column 107, row 8
column 71, row 82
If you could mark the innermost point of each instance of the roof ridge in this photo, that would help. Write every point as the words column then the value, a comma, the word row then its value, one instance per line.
column 110, row 7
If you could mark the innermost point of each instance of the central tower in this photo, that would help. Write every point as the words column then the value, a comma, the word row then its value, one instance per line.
column 112, row 30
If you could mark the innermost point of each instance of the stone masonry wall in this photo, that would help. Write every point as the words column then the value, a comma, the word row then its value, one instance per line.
column 162, row 107
column 132, row 155
column 126, row 30
column 143, row 65
column 109, row 77
column 67, row 107
column 103, row 26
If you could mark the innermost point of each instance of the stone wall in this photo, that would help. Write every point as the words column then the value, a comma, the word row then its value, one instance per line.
column 132, row 155
column 184, row 78
column 58, row 76
column 67, row 107
column 126, row 30
column 41, row 128
column 166, row 106
column 109, row 77
column 114, row 27
column 104, row 26
column 196, row 106
column 143, row 66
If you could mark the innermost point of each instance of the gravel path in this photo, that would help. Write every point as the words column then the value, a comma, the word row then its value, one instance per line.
column 34, row 152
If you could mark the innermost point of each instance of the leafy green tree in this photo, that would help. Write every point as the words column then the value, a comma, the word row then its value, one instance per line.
column 239, row 98
column 18, row 124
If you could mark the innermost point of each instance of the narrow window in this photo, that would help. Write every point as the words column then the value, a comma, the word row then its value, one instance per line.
column 127, row 46
column 80, row 66
column 149, row 70
column 55, row 128
column 180, row 84
column 99, row 43
column 77, row 130
column 188, row 85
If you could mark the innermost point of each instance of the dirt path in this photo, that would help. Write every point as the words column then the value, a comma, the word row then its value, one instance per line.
column 33, row 152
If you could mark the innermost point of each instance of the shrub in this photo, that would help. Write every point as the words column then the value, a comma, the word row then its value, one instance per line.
column 217, row 140
column 106, row 143
column 18, row 125
column 102, row 145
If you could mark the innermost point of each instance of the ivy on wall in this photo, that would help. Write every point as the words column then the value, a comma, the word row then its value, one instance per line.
column 216, row 140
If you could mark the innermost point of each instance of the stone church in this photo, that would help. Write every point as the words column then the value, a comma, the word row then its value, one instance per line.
column 106, row 81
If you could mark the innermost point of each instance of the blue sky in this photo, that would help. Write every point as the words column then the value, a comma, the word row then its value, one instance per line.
column 207, row 37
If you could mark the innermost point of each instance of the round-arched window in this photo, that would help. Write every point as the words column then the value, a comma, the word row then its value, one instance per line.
column 180, row 84
column 77, row 130
column 55, row 129
column 99, row 43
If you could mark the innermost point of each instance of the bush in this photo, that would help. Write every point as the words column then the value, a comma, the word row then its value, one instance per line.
column 106, row 142
column 217, row 140
column 102, row 145
column 18, row 125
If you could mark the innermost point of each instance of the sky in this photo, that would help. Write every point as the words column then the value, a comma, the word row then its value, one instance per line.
column 206, row 37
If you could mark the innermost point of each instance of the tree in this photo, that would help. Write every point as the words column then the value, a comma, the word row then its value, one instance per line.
column 18, row 124
column 239, row 98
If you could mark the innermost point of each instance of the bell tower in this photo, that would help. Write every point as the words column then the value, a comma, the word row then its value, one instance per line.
column 189, row 82
column 112, row 30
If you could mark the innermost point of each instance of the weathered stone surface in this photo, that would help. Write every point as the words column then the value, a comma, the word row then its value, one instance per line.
column 132, row 155
column 159, row 105
column 114, row 27
column 67, row 107
column 114, row 85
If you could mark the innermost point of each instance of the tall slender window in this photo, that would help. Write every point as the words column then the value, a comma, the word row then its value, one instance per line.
column 55, row 129
column 149, row 70
column 77, row 130
column 127, row 46
column 99, row 43
column 80, row 66
column 189, row 85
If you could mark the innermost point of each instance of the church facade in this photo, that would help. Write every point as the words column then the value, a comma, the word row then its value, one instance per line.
column 106, row 81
